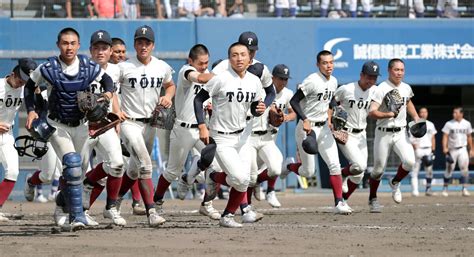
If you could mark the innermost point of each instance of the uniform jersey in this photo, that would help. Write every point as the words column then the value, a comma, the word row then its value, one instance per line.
column 140, row 85
column 405, row 92
column 185, row 93
column 266, row 78
column 114, row 72
column 356, row 102
column 231, row 99
column 282, row 101
column 457, row 133
column 425, row 141
column 10, row 101
column 318, row 92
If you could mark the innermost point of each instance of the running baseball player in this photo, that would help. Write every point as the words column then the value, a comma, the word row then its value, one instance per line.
column 390, row 132
column 311, row 104
column 281, row 74
column 185, row 134
column 66, row 76
column 119, row 51
column 11, row 98
column 424, row 154
column 233, row 93
column 457, row 146
column 354, row 98
column 141, row 80
column 107, row 145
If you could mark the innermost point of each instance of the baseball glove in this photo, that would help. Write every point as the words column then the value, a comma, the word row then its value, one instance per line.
column 393, row 101
column 276, row 117
column 98, row 128
column 90, row 105
column 163, row 117
column 418, row 129
column 339, row 120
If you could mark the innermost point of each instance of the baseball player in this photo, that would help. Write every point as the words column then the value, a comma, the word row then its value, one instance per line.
column 337, row 5
column 424, row 149
column 390, row 133
column 311, row 104
column 416, row 9
column 443, row 11
column 11, row 98
column 281, row 74
column 355, row 98
column 107, row 145
column 456, row 137
column 66, row 76
column 119, row 51
column 185, row 134
column 141, row 80
column 233, row 92
column 366, row 8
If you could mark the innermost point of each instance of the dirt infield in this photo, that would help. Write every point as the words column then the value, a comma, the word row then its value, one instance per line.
column 304, row 226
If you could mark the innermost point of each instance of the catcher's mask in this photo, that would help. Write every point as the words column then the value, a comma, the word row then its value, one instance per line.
column 41, row 129
column 28, row 146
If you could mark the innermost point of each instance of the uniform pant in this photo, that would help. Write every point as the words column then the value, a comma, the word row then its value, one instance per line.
column 355, row 150
column 164, row 139
column 442, row 3
column 68, row 139
column 461, row 157
column 263, row 147
column 327, row 148
column 50, row 166
column 419, row 153
column 384, row 142
column 337, row 4
column 366, row 7
column 9, row 156
column 138, row 137
column 418, row 5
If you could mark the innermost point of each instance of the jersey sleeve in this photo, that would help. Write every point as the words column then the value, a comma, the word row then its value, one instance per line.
column 212, row 86
column 469, row 128
column 307, row 87
column 289, row 95
column 446, row 128
column 221, row 67
column 168, row 73
column 266, row 77
column 339, row 94
column 378, row 95
column 260, row 92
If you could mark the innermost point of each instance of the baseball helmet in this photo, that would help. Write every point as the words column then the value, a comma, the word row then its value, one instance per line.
column 309, row 144
column 28, row 146
column 418, row 129
column 41, row 129
column 428, row 160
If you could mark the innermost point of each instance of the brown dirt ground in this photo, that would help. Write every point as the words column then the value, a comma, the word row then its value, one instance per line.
column 304, row 226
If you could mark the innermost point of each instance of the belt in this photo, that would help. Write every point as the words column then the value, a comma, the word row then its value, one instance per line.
column 260, row 132
column 67, row 123
column 248, row 118
column 426, row 147
column 352, row 130
column 457, row 148
column 144, row 120
column 274, row 131
column 188, row 125
column 394, row 129
column 230, row 133
column 317, row 123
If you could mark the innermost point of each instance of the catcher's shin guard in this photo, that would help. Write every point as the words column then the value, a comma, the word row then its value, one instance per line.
column 72, row 173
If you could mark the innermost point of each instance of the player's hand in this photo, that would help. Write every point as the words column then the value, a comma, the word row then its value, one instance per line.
column 445, row 151
column 117, row 128
column 122, row 116
column 471, row 153
column 260, row 109
column 204, row 133
column 31, row 117
column 165, row 101
column 4, row 128
column 307, row 126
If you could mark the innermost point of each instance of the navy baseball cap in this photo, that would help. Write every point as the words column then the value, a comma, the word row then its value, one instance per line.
column 101, row 36
column 371, row 68
column 27, row 65
column 249, row 39
column 281, row 71
column 145, row 32
column 310, row 144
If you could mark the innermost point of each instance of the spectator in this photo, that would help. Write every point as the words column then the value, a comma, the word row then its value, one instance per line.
column 105, row 8
column 220, row 7
column 237, row 9
column 366, row 7
column 150, row 9
column 79, row 9
column 193, row 8
column 337, row 6
column 447, row 8
column 285, row 4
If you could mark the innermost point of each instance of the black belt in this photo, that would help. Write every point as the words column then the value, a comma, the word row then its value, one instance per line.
column 260, row 132
column 317, row 123
column 230, row 133
column 426, row 147
column 67, row 123
column 144, row 120
column 188, row 125
column 248, row 118
column 274, row 131
column 353, row 130
column 457, row 148
column 395, row 129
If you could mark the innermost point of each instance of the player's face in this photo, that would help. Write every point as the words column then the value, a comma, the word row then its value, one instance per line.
column 201, row 62
column 396, row 73
column 68, row 46
column 100, row 53
column 15, row 81
column 366, row 81
column 279, row 83
column 119, row 53
column 326, row 65
column 239, row 58
column 144, row 48
column 423, row 113
column 457, row 114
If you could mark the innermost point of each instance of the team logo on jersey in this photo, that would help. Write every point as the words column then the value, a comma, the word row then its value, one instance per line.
column 458, row 131
column 197, row 88
column 11, row 101
column 145, row 82
column 361, row 104
column 241, row 96
column 327, row 95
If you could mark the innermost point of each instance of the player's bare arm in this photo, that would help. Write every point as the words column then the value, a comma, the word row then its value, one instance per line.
column 170, row 90
column 375, row 114
column 445, row 143
column 198, row 77
column 433, row 143
column 295, row 104
column 469, row 145
column 291, row 115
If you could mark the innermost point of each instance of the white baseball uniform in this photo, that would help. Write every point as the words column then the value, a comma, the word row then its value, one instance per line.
column 356, row 102
column 391, row 133
column 457, row 145
column 10, row 101
column 140, row 86
column 231, row 99
column 366, row 6
column 107, row 145
column 423, row 147
column 337, row 4
column 266, row 78
column 318, row 92
column 50, row 166
column 418, row 5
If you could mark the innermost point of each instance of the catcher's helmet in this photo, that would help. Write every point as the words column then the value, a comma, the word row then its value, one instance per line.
column 41, row 130
column 28, row 146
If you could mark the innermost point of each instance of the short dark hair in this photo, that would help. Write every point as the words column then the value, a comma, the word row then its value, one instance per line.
column 68, row 30
column 422, row 107
column 392, row 62
column 458, row 108
column 322, row 53
column 117, row 41
column 197, row 50
column 16, row 71
column 234, row 45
